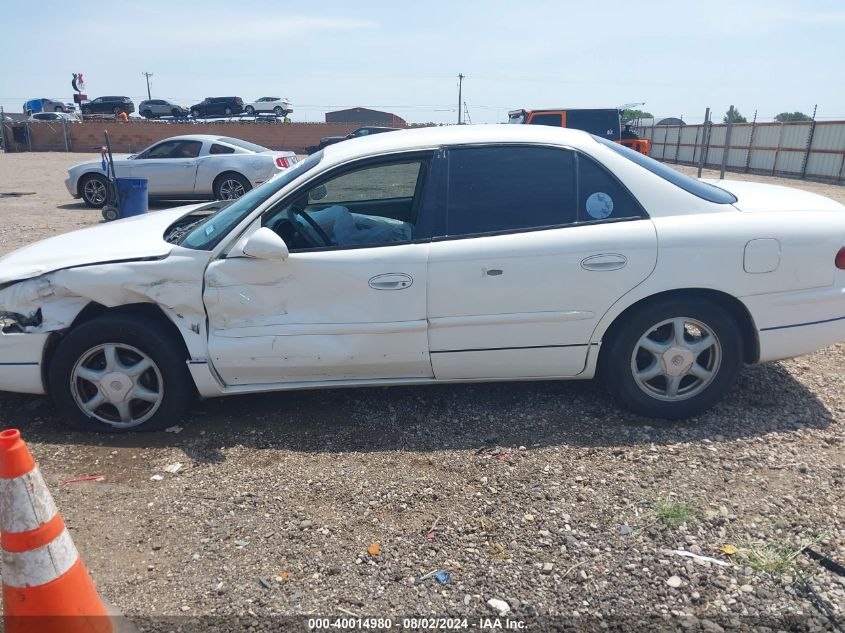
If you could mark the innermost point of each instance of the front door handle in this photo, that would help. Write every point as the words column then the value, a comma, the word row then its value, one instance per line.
column 391, row 281
column 604, row 262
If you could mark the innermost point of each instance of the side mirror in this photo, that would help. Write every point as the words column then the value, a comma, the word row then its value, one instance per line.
column 266, row 244
column 318, row 193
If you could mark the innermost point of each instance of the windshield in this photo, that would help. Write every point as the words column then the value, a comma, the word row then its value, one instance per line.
column 708, row 192
column 209, row 231
column 252, row 147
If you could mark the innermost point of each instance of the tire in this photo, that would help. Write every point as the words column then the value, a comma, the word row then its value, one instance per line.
column 250, row 111
column 228, row 111
column 175, row 112
column 94, row 189
column 715, row 366
column 195, row 114
column 226, row 186
column 116, row 110
column 82, row 355
column 85, row 110
column 147, row 114
column 58, row 109
column 278, row 110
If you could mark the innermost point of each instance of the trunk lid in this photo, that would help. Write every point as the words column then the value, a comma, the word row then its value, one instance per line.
column 754, row 197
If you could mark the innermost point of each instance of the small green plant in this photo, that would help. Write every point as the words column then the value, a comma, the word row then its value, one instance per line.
column 673, row 513
column 778, row 558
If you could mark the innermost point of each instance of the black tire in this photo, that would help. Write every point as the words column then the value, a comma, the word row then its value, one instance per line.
column 147, row 114
column 87, row 193
column 617, row 361
column 250, row 111
column 159, row 345
column 221, row 181
column 228, row 111
column 175, row 112
column 85, row 110
column 195, row 114
column 116, row 110
column 278, row 110
column 58, row 109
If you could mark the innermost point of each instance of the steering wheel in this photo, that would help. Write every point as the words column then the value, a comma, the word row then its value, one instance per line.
column 297, row 210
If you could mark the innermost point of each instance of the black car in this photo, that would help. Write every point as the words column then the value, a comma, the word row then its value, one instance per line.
column 108, row 105
column 361, row 131
column 218, row 106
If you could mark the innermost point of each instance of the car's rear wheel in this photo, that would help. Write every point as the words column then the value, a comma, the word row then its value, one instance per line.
column 58, row 109
column 250, row 110
column 228, row 111
column 278, row 110
column 94, row 190
column 116, row 110
column 175, row 112
column 147, row 114
column 85, row 110
column 120, row 373
column 230, row 186
column 673, row 358
column 195, row 113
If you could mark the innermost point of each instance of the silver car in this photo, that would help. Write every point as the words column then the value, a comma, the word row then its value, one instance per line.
column 155, row 108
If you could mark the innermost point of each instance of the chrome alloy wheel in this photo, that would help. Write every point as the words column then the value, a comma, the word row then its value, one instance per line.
column 117, row 384
column 676, row 359
column 94, row 191
column 231, row 189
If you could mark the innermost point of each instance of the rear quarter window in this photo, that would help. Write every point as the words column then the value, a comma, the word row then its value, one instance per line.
column 601, row 196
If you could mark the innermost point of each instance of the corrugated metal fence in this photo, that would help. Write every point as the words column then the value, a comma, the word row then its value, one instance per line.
column 802, row 149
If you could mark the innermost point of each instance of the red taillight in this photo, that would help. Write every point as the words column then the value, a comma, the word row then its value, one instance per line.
column 840, row 259
column 284, row 163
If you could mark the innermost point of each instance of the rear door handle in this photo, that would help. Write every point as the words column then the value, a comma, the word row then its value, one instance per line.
column 604, row 262
column 391, row 281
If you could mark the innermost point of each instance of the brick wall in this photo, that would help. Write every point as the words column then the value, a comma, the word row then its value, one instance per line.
column 136, row 135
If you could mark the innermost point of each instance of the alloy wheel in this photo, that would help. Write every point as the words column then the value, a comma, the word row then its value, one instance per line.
column 676, row 359
column 231, row 189
column 117, row 384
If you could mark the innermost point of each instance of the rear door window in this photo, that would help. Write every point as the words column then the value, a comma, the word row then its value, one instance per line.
column 601, row 196
column 509, row 188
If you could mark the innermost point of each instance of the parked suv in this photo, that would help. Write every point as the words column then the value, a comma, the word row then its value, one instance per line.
column 46, row 105
column 108, row 105
column 218, row 106
column 154, row 108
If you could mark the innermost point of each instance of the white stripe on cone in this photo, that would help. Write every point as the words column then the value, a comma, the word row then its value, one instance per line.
column 41, row 565
column 25, row 502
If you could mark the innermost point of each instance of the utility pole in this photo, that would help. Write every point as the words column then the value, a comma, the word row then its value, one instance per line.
column 460, row 100
column 148, row 75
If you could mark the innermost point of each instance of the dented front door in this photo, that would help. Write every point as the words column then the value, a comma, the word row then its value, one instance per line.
column 318, row 316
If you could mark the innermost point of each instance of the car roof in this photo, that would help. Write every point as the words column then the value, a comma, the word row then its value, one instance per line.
column 192, row 137
column 430, row 137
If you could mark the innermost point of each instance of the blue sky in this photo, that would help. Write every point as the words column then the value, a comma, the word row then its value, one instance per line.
column 678, row 57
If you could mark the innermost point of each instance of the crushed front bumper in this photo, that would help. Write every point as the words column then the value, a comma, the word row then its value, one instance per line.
column 21, row 356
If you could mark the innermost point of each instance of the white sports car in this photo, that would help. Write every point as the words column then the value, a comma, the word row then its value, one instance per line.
column 198, row 166
column 468, row 253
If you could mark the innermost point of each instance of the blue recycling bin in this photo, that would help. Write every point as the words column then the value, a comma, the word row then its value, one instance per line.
column 132, row 194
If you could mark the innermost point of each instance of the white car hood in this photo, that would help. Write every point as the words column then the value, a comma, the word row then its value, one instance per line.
column 756, row 196
column 96, row 162
column 138, row 237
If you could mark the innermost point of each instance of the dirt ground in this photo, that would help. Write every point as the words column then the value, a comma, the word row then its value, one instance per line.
column 543, row 495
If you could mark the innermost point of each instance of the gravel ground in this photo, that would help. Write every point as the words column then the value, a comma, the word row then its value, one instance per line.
column 543, row 495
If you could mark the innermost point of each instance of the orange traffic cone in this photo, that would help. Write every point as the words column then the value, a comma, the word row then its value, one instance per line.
column 46, row 587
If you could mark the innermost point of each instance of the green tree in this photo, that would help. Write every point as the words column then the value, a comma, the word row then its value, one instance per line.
column 633, row 115
column 792, row 116
column 738, row 118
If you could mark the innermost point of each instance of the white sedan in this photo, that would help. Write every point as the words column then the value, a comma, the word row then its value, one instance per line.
column 200, row 166
column 469, row 253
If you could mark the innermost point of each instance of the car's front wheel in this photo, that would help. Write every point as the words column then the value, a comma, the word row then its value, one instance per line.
column 195, row 113
column 227, row 111
column 94, row 189
column 674, row 358
column 230, row 186
column 147, row 114
column 250, row 110
column 119, row 373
